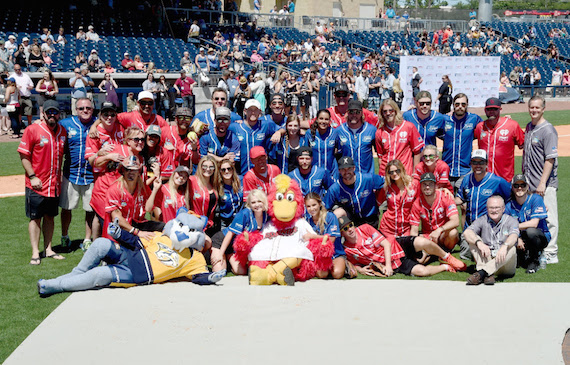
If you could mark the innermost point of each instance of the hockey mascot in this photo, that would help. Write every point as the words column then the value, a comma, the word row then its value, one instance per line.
column 279, row 253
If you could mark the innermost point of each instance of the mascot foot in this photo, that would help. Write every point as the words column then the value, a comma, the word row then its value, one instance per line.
column 216, row 276
column 279, row 273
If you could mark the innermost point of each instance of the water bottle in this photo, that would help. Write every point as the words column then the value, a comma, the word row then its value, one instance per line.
column 542, row 262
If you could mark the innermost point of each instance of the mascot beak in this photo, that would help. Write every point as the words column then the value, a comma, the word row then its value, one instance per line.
column 284, row 209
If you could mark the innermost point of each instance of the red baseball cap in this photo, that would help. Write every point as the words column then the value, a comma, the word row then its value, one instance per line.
column 256, row 152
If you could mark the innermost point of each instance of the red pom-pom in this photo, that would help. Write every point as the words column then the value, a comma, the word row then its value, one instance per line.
column 322, row 253
column 242, row 245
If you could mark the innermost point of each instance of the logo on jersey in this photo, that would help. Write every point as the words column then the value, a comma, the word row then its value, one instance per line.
column 312, row 143
column 403, row 134
column 432, row 128
column 260, row 136
column 468, row 126
column 365, row 193
column 343, row 140
column 367, row 139
column 331, row 143
column 43, row 141
column 197, row 195
column 487, row 192
column 166, row 255
column 72, row 132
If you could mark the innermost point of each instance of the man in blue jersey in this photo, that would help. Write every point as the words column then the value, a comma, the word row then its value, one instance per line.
column 357, row 138
column 278, row 117
column 476, row 188
column 353, row 195
column 219, row 98
column 253, row 132
column 221, row 143
column 459, row 130
column 311, row 179
column 429, row 123
column 77, row 179
column 531, row 213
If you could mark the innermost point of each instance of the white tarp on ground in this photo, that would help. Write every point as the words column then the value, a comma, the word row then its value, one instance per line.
column 476, row 77
column 318, row 322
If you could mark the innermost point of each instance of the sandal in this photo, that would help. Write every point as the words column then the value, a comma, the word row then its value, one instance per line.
column 35, row 261
column 55, row 256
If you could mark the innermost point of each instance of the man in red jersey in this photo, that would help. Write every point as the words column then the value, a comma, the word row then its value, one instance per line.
column 41, row 152
column 261, row 174
column 339, row 112
column 498, row 136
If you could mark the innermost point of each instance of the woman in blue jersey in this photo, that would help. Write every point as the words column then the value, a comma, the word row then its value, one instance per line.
column 288, row 148
column 324, row 141
column 231, row 194
column 326, row 224
column 249, row 219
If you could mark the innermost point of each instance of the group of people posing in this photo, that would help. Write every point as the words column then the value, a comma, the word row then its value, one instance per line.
column 137, row 170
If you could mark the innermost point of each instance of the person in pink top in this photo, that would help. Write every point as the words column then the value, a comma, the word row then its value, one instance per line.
column 432, row 163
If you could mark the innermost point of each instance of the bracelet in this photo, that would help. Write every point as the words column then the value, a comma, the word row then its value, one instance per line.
column 132, row 230
column 479, row 240
column 32, row 176
column 136, row 232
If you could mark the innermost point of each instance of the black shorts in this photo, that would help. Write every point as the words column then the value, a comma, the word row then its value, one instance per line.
column 407, row 244
column 149, row 226
column 217, row 240
column 38, row 205
column 407, row 266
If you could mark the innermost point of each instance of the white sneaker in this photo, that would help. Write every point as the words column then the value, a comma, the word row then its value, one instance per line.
column 551, row 259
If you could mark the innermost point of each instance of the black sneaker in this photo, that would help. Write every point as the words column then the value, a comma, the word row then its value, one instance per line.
column 532, row 268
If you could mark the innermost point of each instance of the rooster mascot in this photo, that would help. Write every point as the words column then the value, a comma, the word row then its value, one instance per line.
column 279, row 253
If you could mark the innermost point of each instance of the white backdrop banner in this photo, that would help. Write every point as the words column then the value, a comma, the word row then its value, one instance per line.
column 476, row 77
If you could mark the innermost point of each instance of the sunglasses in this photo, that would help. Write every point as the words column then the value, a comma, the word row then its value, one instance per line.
column 137, row 140
column 422, row 103
column 50, row 112
column 519, row 186
column 430, row 157
column 223, row 99
column 387, row 111
column 107, row 115
column 354, row 112
column 146, row 103
column 341, row 95
column 347, row 227
column 186, row 118
column 85, row 108
column 226, row 169
column 222, row 120
column 478, row 162
column 460, row 104
column 392, row 172
column 276, row 103
column 208, row 167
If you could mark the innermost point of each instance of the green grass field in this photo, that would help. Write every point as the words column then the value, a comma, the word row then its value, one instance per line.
column 23, row 310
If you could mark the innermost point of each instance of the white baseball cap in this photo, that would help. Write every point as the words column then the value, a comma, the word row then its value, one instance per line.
column 148, row 95
column 252, row 102
column 482, row 154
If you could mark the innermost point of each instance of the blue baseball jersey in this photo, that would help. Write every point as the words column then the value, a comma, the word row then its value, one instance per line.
column 331, row 227
column 316, row 181
column 207, row 116
column 476, row 193
column 270, row 147
column 249, row 137
column 358, row 145
column 286, row 156
column 245, row 222
column 76, row 168
column 324, row 146
column 358, row 199
column 458, row 143
column 533, row 207
column 210, row 143
column 230, row 202
column 429, row 128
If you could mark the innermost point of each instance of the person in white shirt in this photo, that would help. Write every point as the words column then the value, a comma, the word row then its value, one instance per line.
column 91, row 35
column 362, row 87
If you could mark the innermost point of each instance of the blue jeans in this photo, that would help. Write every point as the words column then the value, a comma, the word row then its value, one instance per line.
column 88, row 274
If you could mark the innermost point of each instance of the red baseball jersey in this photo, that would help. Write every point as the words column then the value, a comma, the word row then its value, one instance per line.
column 200, row 199
column 368, row 248
column 130, row 205
column 169, row 204
column 44, row 148
column 135, row 118
column 500, row 142
column 441, row 173
column 338, row 119
column 398, row 143
column 252, row 181
column 184, row 153
column 434, row 216
column 93, row 145
column 395, row 220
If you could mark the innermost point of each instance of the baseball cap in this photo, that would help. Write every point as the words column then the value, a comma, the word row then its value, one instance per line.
column 344, row 221
column 182, row 168
column 93, row 51
column 145, row 95
column 153, row 129
column 131, row 163
column 223, row 112
column 51, row 104
column 183, row 112
column 11, row 36
column 341, row 88
column 305, row 151
column 345, row 162
column 354, row 105
column 231, row 69
column 11, row 78
column 256, row 152
column 107, row 105
column 519, row 177
column 201, row 49
column 2, row 41
column 492, row 103
column 25, row 39
column 479, row 154
column 428, row 176
column 252, row 102
column 126, row 54
column 275, row 96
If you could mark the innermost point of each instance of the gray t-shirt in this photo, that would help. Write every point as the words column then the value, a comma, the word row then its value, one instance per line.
column 495, row 234
column 540, row 144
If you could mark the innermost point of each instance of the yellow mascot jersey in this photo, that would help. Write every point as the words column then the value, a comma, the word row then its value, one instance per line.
column 167, row 263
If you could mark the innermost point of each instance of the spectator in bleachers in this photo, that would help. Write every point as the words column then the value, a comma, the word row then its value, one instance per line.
column 242, row 94
column 35, row 60
column 91, row 35
column 131, row 102
column 19, row 57
column 47, row 89
column 11, row 45
column 81, row 84
column 80, row 33
column 535, row 76
column 95, row 57
column 514, row 76
column 184, row 86
column 202, row 62
column 127, row 63
column 556, row 77
column 5, row 58
column 194, row 31
column 108, row 69
column 566, row 78
column 109, row 86
column 46, row 34
column 218, row 38
column 213, row 60
column 12, row 100
column 186, row 61
column 26, row 44
column 139, row 64
column 80, row 59
column 61, row 38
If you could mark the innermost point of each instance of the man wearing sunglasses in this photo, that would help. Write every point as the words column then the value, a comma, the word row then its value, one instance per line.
column 429, row 123
column 531, row 213
column 219, row 98
column 458, row 136
column 41, row 152
column 77, row 181
column 277, row 116
column 499, row 136
column 177, row 136
column 339, row 112
column 220, row 143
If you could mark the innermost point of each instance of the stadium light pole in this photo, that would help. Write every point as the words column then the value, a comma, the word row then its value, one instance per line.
column 485, row 10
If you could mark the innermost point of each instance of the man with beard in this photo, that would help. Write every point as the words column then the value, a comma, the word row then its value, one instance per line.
column 357, row 138
column 41, row 152
column 353, row 195
column 208, row 116
column 221, row 143
column 261, row 175
column 311, row 179
column 429, row 123
column 339, row 113
column 175, row 137
column 498, row 136
column 459, row 129
column 277, row 116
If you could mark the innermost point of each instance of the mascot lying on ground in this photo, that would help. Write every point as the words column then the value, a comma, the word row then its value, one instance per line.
column 168, row 255
column 280, row 254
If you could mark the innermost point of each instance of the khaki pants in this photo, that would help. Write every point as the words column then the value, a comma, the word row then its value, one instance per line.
column 551, row 203
column 490, row 265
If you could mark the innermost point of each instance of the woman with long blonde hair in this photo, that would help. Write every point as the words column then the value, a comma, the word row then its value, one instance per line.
column 166, row 199
column 205, row 191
